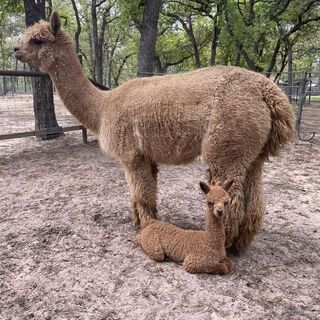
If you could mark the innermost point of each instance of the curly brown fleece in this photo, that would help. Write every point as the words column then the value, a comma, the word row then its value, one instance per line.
column 200, row 251
column 233, row 117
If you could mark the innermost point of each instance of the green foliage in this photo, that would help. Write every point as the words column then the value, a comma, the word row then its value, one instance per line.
column 248, row 35
column 11, row 24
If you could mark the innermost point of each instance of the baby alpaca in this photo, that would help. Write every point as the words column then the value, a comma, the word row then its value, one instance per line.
column 200, row 251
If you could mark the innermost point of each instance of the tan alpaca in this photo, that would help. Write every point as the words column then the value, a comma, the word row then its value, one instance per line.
column 235, row 118
column 200, row 251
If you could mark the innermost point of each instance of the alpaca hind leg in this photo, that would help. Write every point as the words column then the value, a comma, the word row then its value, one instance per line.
column 254, row 208
column 229, row 157
column 235, row 209
column 154, row 170
column 236, row 133
column 141, row 175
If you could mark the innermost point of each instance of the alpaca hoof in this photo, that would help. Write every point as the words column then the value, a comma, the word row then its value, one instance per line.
column 158, row 256
column 230, row 266
column 223, row 269
column 229, row 263
column 187, row 266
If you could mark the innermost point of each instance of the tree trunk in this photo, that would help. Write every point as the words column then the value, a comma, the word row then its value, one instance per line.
column 215, row 35
column 118, row 74
column 148, row 38
column 95, row 40
column 78, row 31
column 194, row 44
column 100, row 48
column 98, row 37
column 158, row 65
column 42, row 88
column 238, row 59
column 290, row 71
column 214, row 44
column 273, row 58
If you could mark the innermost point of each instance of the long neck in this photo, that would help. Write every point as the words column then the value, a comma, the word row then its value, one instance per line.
column 77, row 93
column 215, row 228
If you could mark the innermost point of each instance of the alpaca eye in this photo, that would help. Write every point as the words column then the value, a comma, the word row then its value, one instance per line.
column 37, row 41
column 210, row 204
column 226, row 202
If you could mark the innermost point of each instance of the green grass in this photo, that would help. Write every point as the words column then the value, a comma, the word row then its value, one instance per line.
column 315, row 98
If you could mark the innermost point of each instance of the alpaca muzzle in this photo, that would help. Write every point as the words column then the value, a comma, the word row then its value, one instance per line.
column 17, row 53
column 219, row 213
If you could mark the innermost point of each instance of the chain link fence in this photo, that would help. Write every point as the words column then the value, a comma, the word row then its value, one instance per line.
column 303, row 91
column 21, row 115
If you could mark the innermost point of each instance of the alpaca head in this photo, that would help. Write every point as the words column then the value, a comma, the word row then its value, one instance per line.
column 42, row 43
column 217, row 197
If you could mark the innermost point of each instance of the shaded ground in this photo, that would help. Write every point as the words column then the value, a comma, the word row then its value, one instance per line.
column 67, row 249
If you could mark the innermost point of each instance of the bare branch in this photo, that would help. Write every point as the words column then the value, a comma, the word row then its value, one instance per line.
column 99, row 3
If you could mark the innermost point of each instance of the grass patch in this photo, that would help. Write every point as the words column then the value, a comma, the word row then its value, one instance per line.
column 315, row 98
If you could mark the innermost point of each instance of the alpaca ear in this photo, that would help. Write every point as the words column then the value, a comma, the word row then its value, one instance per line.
column 204, row 187
column 228, row 185
column 55, row 22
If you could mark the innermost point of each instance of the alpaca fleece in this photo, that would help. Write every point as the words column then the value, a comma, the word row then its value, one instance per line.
column 233, row 117
column 200, row 251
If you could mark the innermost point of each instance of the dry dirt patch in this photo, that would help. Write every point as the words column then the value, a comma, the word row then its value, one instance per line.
column 67, row 247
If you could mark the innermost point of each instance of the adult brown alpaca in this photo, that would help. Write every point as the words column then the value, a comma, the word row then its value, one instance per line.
column 233, row 117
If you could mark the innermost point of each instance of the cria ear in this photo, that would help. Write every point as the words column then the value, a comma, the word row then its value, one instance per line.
column 228, row 185
column 55, row 22
column 204, row 187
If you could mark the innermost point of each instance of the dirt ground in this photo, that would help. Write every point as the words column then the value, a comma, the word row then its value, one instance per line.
column 67, row 247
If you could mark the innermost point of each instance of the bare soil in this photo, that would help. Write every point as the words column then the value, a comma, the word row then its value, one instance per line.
column 67, row 248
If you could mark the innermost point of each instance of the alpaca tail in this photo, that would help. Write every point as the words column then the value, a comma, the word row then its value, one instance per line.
column 282, row 120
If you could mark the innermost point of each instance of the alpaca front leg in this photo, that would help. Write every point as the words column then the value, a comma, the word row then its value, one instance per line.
column 199, row 264
column 141, row 174
column 254, row 208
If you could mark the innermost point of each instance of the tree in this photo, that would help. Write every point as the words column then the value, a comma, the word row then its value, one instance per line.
column 99, row 37
column 261, row 29
column 43, row 103
column 148, row 39
column 187, row 34
column 216, row 31
column 78, row 31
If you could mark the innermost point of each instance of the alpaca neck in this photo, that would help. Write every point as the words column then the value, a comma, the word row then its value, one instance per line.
column 77, row 93
column 215, row 229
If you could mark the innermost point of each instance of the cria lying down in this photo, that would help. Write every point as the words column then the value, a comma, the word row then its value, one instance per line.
column 200, row 251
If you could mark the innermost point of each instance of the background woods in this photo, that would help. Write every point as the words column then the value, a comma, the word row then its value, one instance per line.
column 118, row 39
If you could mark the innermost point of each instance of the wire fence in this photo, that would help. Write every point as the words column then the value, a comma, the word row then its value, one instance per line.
column 303, row 91
column 24, row 115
